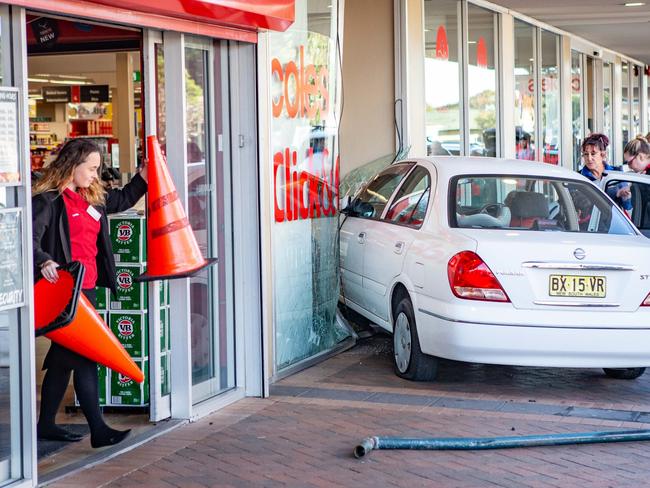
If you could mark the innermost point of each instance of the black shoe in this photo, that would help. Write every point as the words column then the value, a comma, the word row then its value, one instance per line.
column 109, row 438
column 58, row 434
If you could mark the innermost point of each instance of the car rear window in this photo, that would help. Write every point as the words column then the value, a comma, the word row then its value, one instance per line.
column 530, row 203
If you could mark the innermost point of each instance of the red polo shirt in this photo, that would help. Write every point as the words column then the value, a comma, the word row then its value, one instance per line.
column 84, row 229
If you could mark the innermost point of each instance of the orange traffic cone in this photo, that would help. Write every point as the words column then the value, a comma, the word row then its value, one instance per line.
column 86, row 334
column 62, row 298
column 171, row 245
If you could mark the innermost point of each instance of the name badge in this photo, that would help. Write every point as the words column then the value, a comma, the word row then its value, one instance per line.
column 92, row 211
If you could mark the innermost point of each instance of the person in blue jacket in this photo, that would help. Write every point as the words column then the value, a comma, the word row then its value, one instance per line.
column 594, row 155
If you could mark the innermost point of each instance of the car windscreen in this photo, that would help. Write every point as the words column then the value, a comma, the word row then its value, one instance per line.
column 533, row 203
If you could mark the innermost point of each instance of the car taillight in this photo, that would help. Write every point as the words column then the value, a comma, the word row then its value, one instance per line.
column 470, row 278
column 646, row 302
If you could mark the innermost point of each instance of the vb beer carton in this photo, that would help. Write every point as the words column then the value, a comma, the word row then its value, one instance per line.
column 131, row 295
column 131, row 330
column 125, row 391
column 128, row 237
column 102, row 295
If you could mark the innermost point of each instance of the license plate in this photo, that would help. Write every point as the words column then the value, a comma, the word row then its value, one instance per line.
column 577, row 286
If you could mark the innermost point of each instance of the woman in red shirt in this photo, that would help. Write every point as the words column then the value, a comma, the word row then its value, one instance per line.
column 69, row 223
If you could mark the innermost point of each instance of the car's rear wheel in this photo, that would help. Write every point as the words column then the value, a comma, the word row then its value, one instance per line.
column 624, row 373
column 409, row 360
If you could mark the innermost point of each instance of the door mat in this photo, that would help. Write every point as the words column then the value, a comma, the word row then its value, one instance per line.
column 46, row 448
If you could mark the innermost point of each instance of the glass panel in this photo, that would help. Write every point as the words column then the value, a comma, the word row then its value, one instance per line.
column 589, row 94
column 442, row 77
column 576, row 106
column 482, row 81
column 625, row 103
column 161, row 123
column 10, row 415
column 524, row 91
column 305, row 183
column 607, row 107
column 550, row 87
column 212, row 357
column 636, row 100
column 640, row 203
column 538, row 204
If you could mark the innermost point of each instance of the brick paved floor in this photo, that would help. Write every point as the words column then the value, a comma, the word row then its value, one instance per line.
column 304, row 434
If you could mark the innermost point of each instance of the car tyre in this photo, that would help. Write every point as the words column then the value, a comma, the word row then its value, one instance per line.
column 624, row 373
column 409, row 360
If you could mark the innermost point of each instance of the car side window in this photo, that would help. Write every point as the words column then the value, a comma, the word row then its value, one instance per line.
column 638, row 195
column 409, row 206
column 372, row 200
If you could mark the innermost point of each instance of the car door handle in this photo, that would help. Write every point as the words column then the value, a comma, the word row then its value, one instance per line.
column 361, row 237
column 399, row 247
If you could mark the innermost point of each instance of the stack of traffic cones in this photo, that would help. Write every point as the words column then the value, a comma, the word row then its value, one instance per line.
column 171, row 246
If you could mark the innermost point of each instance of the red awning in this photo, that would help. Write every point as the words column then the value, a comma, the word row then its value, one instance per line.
column 248, row 14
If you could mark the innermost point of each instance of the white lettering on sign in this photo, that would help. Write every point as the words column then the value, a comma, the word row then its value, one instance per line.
column 11, row 297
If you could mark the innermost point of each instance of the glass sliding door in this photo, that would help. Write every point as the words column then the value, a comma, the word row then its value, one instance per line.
column 550, row 97
column 212, row 328
column 608, row 130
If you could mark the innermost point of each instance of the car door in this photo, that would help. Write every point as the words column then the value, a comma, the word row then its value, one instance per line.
column 639, row 190
column 366, row 207
column 388, row 240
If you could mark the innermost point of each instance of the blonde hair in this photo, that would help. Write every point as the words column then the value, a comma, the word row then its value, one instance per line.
column 638, row 145
column 59, row 172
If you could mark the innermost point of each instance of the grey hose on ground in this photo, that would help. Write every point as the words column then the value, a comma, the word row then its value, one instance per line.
column 473, row 443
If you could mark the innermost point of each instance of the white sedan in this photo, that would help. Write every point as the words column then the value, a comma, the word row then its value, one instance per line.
column 495, row 261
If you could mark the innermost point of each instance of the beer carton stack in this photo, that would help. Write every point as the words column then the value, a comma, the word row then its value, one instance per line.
column 127, row 313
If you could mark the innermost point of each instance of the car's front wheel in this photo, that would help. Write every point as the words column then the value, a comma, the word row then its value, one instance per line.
column 409, row 360
column 624, row 373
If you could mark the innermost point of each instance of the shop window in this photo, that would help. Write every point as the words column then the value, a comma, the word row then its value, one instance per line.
column 442, row 78
column 625, row 103
column 525, row 97
column 635, row 83
column 481, row 81
column 550, row 97
column 576, row 107
column 608, row 129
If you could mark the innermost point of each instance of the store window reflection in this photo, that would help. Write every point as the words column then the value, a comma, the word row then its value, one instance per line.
column 577, row 114
column 635, row 81
column 625, row 103
column 550, row 97
column 481, row 81
column 525, row 120
column 442, row 78
column 607, row 106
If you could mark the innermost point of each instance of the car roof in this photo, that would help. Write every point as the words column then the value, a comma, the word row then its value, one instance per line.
column 450, row 166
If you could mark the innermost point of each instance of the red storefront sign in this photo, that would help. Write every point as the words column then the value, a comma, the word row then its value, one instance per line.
column 231, row 19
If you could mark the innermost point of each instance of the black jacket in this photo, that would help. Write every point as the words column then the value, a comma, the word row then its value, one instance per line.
column 51, row 234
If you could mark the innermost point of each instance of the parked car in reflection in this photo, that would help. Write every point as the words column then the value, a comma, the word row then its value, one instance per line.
column 496, row 261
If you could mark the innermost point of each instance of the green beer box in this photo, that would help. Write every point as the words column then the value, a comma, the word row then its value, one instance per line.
column 131, row 295
column 164, row 372
column 125, row 391
column 128, row 237
column 131, row 330
column 102, row 297
column 164, row 329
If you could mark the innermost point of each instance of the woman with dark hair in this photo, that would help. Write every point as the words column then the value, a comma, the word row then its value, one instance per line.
column 637, row 155
column 69, row 208
column 594, row 156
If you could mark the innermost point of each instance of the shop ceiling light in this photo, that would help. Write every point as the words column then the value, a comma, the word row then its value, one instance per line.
column 38, row 80
column 70, row 82
column 633, row 4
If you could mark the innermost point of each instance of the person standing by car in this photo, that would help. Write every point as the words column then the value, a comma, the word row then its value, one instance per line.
column 69, row 207
column 637, row 155
column 594, row 155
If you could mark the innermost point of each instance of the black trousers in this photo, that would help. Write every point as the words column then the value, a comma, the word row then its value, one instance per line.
column 60, row 362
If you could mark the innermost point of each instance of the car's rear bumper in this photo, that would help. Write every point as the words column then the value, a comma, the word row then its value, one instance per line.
column 545, row 346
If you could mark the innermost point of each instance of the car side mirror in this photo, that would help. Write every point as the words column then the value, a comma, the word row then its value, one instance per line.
column 344, row 202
